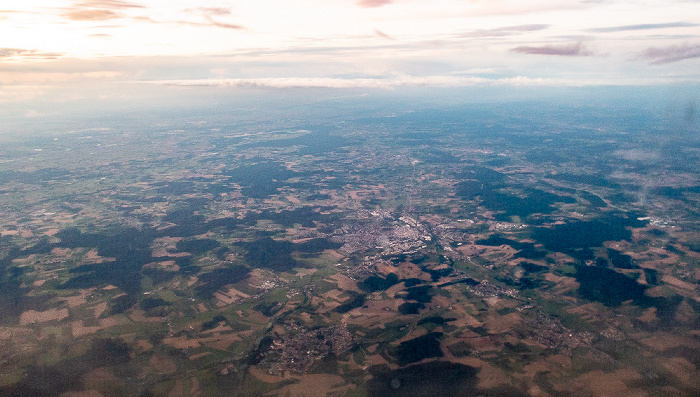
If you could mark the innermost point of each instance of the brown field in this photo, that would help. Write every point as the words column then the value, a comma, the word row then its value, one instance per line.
column 376, row 314
column 144, row 345
column 38, row 283
column 334, row 253
column 414, row 333
column 112, row 321
column 409, row 270
column 293, row 200
column 664, row 341
column 217, row 341
column 684, row 370
column 181, row 342
column 377, row 359
column 301, row 272
column 563, row 283
column 85, row 393
column 503, row 324
column 164, row 265
column 334, row 294
column 344, row 282
column 78, row 329
column 223, row 300
column 648, row 316
column 177, row 390
column 98, row 377
column 491, row 377
column 264, row 376
column 600, row 384
column 218, row 329
column 164, row 246
column 100, row 308
column 60, row 252
column 687, row 287
column 32, row 316
column 163, row 365
column 92, row 256
column 314, row 385
column 78, row 300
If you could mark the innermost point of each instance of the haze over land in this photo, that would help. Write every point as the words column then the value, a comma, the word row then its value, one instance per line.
column 58, row 55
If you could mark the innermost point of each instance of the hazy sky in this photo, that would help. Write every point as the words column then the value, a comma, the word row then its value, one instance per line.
column 65, row 50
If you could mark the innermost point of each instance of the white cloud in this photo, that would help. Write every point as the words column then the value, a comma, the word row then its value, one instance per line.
column 382, row 83
column 320, row 40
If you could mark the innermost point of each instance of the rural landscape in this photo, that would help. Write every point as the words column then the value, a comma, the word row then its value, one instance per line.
column 517, row 249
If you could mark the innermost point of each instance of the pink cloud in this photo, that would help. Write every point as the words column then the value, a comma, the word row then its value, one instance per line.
column 210, row 10
column 91, row 15
column 570, row 50
column 27, row 54
column 663, row 55
column 383, row 35
column 108, row 4
column 223, row 24
column 373, row 3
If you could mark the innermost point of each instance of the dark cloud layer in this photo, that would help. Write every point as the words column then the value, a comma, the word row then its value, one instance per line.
column 647, row 26
column 571, row 50
column 663, row 55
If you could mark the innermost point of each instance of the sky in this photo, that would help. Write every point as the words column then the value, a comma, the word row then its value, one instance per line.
column 57, row 51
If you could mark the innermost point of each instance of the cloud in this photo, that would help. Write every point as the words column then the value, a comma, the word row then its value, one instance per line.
column 10, row 52
column 97, row 10
column 647, row 26
column 19, row 53
column 111, row 4
column 505, row 31
column 91, row 15
column 383, row 35
column 224, row 25
column 52, row 75
column 4, row 14
column 571, row 50
column 210, row 10
column 101, row 10
column 381, row 83
column 520, row 8
column 103, row 15
column 210, row 22
column 373, row 3
column 663, row 55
